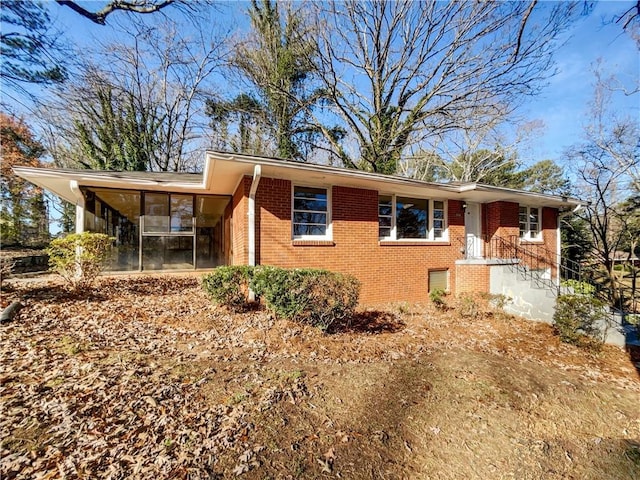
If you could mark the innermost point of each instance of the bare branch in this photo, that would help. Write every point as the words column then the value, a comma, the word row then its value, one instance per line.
column 100, row 17
column 400, row 74
column 523, row 25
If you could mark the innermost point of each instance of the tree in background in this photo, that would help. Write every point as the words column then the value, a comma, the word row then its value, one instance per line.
column 246, row 116
column 546, row 176
column 32, row 48
column 135, row 6
column 140, row 104
column 29, row 45
column 605, row 163
column 277, row 63
column 112, row 134
column 399, row 74
column 630, row 22
column 23, row 216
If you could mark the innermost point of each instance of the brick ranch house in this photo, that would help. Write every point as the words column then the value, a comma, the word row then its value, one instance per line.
column 401, row 237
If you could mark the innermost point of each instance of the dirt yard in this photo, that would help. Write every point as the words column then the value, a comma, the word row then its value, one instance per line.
column 147, row 379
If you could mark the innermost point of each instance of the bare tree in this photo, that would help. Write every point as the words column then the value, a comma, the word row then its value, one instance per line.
column 400, row 73
column 483, row 154
column 605, row 163
column 474, row 153
column 157, row 79
column 630, row 21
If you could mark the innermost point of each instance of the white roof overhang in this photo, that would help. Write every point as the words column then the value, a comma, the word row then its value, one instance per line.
column 223, row 172
column 63, row 182
column 226, row 169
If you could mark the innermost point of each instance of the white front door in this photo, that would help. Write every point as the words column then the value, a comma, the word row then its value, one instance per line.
column 473, row 230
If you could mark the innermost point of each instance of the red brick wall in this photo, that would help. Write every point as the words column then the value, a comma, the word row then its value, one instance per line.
column 472, row 278
column 389, row 271
column 501, row 219
column 240, row 235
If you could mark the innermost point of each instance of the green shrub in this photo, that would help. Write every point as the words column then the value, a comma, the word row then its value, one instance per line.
column 229, row 286
column 316, row 297
column 579, row 288
column 497, row 300
column 437, row 298
column 580, row 320
column 79, row 257
column 634, row 319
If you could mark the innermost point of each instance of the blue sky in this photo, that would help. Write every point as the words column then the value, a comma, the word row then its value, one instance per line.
column 561, row 106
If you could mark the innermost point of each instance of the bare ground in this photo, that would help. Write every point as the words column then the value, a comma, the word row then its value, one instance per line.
column 147, row 379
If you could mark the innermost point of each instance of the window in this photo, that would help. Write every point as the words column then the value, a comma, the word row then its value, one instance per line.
column 438, row 218
column 165, row 213
column 405, row 218
column 529, row 220
column 181, row 213
column 310, row 212
column 385, row 214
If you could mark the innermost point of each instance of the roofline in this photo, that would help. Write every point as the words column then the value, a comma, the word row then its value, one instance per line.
column 329, row 169
column 203, row 184
column 341, row 171
column 482, row 187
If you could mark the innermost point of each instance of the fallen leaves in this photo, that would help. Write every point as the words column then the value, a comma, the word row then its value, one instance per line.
column 146, row 379
column 89, row 389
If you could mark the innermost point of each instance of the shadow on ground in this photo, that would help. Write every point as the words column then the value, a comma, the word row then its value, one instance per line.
column 373, row 322
column 634, row 356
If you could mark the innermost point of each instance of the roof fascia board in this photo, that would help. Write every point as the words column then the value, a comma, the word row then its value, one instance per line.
column 329, row 170
column 465, row 188
column 535, row 195
column 34, row 174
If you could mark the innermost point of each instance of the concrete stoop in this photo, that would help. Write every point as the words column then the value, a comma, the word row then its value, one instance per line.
column 533, row 297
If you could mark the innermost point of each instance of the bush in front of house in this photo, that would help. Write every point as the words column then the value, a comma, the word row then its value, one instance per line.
column 229, row 286
column 437, row 296
column 319, row 298
column 79, row 258
column 580, row 320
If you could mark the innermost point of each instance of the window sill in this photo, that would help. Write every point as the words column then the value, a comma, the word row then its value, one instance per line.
column 413, row 243
column 313, row 243
column 531, row 241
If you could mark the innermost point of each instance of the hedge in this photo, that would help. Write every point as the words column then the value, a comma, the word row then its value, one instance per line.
column 316, row 297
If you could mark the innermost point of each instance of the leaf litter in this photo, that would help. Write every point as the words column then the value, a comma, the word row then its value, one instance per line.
column 146, row 379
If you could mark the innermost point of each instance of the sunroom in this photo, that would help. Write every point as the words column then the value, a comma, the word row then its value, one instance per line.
column 159, row 230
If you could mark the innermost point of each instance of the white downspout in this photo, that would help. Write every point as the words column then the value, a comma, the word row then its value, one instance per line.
column 257, row 172
column 559, row 240
column 80, row 204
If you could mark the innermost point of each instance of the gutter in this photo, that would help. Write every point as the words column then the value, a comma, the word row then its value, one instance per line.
column 257, row 172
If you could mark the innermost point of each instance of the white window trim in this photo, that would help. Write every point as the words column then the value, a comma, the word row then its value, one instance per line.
column 527, row 236
column 329, row 232
column 430, row 232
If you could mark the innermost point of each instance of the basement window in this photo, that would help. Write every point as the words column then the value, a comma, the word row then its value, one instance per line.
column 438, row 280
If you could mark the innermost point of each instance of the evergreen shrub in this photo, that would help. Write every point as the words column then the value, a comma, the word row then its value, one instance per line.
column 79, row 257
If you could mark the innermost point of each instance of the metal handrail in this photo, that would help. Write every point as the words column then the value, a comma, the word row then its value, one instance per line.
column 531, row 257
